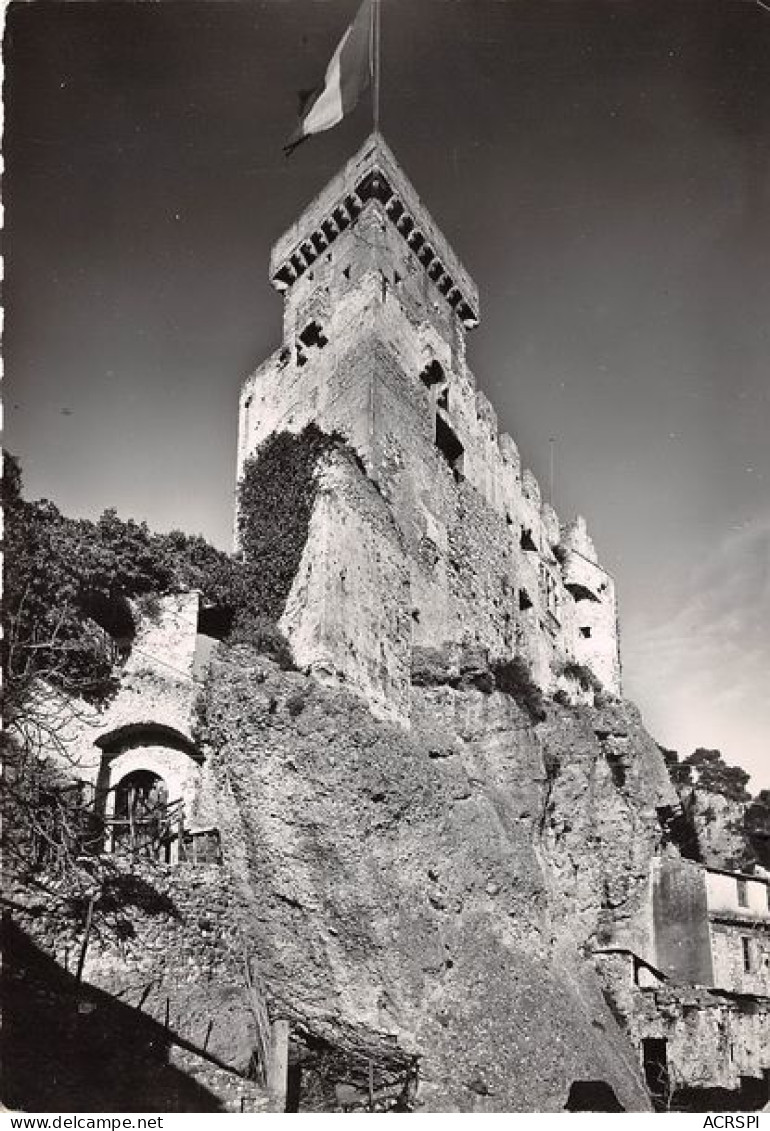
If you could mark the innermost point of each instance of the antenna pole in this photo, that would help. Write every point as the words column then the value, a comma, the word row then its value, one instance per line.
column 374, row 55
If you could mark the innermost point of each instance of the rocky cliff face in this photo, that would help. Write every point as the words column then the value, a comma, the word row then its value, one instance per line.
column 432, row 895
column 719, row 827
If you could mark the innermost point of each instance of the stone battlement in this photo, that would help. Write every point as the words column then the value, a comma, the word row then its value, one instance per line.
column 374, row 174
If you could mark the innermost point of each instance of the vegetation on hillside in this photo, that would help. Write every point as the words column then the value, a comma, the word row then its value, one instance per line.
column 707, row 769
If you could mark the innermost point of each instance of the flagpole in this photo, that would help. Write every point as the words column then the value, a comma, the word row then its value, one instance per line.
column 376, row 63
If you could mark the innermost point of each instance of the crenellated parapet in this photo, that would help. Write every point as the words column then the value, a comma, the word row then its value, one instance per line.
column 374, row 175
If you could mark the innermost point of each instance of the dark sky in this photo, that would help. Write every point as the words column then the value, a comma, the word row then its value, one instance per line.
column 601, row 168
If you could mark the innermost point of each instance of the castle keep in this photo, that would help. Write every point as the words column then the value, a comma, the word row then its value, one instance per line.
column 448, row 543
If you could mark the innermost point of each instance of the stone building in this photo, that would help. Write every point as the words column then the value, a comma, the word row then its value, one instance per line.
column 712, row 927
column 453, row 544
column 138, row 757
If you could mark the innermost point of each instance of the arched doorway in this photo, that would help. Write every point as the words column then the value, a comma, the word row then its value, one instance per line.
column 141, row 813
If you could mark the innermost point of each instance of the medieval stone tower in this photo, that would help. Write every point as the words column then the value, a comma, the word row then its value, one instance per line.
column 445, row 542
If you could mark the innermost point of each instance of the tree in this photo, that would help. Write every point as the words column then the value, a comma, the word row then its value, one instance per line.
column 710, row 771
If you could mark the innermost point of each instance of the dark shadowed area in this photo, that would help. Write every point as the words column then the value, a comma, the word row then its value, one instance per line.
column 601, row 167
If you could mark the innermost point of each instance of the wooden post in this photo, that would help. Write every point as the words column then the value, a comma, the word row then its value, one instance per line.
column 208, row 1034
column 278, row 1068
column 86, row 937
column 371, row 1085
column 168, row 1015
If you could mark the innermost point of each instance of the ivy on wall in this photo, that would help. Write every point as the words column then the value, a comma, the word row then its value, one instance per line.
column 275, row 501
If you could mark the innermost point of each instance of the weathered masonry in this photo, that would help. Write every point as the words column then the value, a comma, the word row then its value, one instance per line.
column 446, row 542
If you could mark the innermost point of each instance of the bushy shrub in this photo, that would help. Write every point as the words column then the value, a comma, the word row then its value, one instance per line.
column 262, row 634
column 513, row 678
column 582, row 675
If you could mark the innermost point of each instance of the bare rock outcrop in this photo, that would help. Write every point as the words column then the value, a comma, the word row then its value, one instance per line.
column 434, row 892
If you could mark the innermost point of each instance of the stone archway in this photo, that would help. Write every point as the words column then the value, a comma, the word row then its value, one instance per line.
column 148, row 785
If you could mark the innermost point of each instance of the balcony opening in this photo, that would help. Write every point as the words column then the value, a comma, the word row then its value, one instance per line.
column 450, row 447
column 526, row 540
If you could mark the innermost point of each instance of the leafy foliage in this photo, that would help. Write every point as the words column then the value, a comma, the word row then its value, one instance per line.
column 263, row 635
column 707, row 769
column 72, row 585
column 582, row 675
column 275, row 500
column 513, row 678
column 710, row 771
column 68, row 588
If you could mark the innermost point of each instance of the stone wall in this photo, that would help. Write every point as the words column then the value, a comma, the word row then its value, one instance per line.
column 741, row 956
column 348, row 612
column 162, row 933
column 712, row 1040
column 680, row 913
column 165, row 958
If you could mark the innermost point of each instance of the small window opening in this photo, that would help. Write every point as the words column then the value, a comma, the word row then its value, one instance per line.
column 585, row 631
column 443, row 400
column 313, row 335
column 346, row 272
column 396, row 277
column 432, row 374
column 767, row 895
column 508, row 518
column 284, row 356
column 743, row 893
column 748, row 964
column 524, row 600
column 450, row 447
column 301, row 357
column 526, row 541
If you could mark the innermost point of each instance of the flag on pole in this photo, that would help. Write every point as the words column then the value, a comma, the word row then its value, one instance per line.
column 347, row 76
